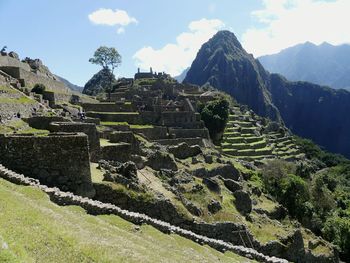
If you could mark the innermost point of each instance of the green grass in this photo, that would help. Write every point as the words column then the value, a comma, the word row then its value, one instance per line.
column 135, row 126
column 7, row 90
column 20, row 127
column 115, row 113
column 105, row 142
column 20, row 100
column 113, row 123
column 37, row 230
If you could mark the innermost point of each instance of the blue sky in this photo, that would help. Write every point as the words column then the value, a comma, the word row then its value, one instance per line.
column 160, row 33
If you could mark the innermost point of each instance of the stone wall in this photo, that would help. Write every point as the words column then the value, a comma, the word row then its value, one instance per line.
column 120, row 152
column 12, row 62
column 43, row 122
column 30, row 79
column 56, row 160
column 189, row 141
column 108, row 107
column 88, row 128
column 131, row 118
column 154, row 133
column 11, row 101
column 184, row 119
column 189, row 133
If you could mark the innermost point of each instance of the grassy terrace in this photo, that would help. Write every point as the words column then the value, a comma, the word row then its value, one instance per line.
column 113, row 123
column 132, row 126
column 49, row 233
column 115, row 113
column 20, row 127
column 19, row 100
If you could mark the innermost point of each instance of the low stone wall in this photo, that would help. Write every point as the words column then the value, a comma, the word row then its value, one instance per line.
column 121, row 136
column 189, row 133
column 108, row 107
column 97, row 208
column 189, row 141
column 131, row 118
column 8, row 61
column 54, row 97
column 88, row 128
column 57, row 159
column 120, row 152
column 43, row 122
column 154, row 133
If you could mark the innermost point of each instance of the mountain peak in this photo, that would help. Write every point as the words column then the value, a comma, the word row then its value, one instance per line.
column 223, row 63
column 227, row 37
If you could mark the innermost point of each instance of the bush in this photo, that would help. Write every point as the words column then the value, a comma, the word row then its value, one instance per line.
column 337, row 230
column 39, row 88
column 290, row 190
column 313, row 151
column 215, row 115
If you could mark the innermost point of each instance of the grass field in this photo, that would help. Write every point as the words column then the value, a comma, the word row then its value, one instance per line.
column 33, row 229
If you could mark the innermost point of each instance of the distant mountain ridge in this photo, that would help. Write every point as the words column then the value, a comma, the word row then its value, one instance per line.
column 323, row 64
column 309, row 110
column 182, row 76
column 70, row 85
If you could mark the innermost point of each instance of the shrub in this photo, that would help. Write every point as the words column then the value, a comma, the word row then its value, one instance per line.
column 39, row 88
column 290, row 190
column 337, row 230
column 215, row 115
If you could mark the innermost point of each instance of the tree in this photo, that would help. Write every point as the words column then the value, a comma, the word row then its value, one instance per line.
column 215, row 115
column 109, row 58
column 39, row 88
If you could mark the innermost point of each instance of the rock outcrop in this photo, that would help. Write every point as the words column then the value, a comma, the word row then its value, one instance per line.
column 99, row 82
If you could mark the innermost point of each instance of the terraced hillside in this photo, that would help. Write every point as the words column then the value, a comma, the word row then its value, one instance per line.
column 50, row 233
column 250, row 137
column 13, row 101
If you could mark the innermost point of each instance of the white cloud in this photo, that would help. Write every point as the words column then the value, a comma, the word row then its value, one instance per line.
column 285, row 23
column 120, row 30
column 109, row 17
column 173, row 58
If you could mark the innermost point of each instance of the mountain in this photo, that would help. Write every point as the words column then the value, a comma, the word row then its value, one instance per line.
column 224, row 64
column 324, row 64
column 98, row 82
column 182, row 76
column 70, row 85
column 309, row 110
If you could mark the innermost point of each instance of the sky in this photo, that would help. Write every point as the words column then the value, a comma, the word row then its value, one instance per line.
column 162, row 34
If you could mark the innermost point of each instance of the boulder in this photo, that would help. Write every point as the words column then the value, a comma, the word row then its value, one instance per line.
column 183, row 150
column 192, row 208
column 212, row 184
column 14, row 55
column 214, row 206
column 128, row 170
column 161, row 160
column 208, row 159
column 232, row 185
column 227, row 171
column 194, row 160
column 243, row 202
